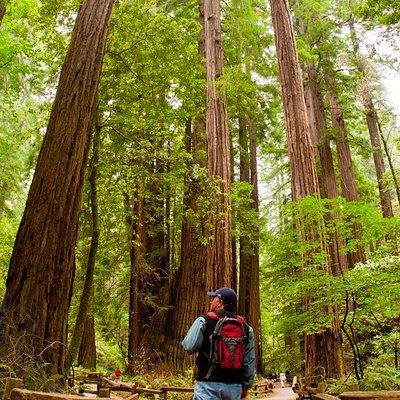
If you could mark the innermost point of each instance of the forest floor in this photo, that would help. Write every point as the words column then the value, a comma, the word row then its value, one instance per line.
column 281, row 394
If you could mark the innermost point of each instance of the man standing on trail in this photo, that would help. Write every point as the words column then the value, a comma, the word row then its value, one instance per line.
column 224, row 344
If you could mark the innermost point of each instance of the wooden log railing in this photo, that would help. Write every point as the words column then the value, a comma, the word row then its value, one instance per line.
column 378, row 395
column 108, row 385
column 23, row 394
column 11, row 383
column 166, row 389
column 263, row 387
column 324, row 396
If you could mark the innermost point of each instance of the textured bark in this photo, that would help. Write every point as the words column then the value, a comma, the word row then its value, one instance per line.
column 234, row 241
column 301, row 156
column 204, row 267
column 156, row 280
column 249, row 282
column 189, row 292
column 219, row 255
column 87, row 293
column 384, row 193
column 347, row 177
column 303, row 172
column 245, row 251
column 373, row 129
column 327, row 178
column 87, row 349
column 254, row 300
column 137, row 242
column 42, row 265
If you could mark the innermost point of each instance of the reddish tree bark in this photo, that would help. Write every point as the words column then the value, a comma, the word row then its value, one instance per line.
column 323, row 349
column 189, row 291
column 249, row 281
column 42, row 265
column 87, row 292
column 373, row 129
column 137, row 243
column 254, row 300
column 219, row 255
column 320, row 140
column 245, row 251
column 87, row 348
column 347, row 177
column 204, row 267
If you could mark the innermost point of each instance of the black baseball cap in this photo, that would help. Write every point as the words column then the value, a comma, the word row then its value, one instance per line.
column 227, row 294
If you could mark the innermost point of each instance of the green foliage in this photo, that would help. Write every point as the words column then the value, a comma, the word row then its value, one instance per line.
column 381, row 378
column 383, row 11
column 298, row 267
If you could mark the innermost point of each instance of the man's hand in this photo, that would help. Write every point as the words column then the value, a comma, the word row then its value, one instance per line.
column 244, row 394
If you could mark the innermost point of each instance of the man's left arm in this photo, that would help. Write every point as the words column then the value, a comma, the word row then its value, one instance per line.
column 249, row 362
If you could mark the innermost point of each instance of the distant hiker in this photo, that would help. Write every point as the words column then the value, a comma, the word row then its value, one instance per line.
column 224, row 344
column 282, row 378
column 117, row 374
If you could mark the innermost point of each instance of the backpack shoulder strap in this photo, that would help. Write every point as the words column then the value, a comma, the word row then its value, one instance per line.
column 240, row 319
column 212, row 315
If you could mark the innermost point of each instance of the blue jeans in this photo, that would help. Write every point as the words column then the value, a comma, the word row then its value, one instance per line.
column 205, row 390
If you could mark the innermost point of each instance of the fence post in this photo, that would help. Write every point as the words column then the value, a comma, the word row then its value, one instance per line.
column 11, row 383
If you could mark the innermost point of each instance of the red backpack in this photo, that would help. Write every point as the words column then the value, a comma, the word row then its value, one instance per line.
column 227, row 344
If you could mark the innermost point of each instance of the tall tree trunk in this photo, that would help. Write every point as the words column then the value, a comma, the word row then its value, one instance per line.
column 384, row 193
column 347, row 177
column 39, row 282
column 194, row 275
column 87, row 348
column 373, row 128
column 322, row 349
column 157, row 278
column 249, row 282
column 254, row 299
column 234, row 241
column 137, row 242
column 87, row 293
column 245, row 255
column 219, row 255
column 327, row 178
column 189, row 291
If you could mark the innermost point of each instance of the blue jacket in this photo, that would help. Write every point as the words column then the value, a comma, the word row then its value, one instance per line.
column 193, row 343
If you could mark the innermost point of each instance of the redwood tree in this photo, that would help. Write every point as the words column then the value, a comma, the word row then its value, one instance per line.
column 204, row 266
column 321, row 141
column 82, row 324
column 39, row 282
column 87, row 348
column 219, row 254
column 189, row 290
column 322, row 349
column 347, row 177
column 373, row 128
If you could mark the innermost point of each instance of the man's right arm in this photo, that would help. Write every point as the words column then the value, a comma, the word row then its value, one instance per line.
column 194, row 338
